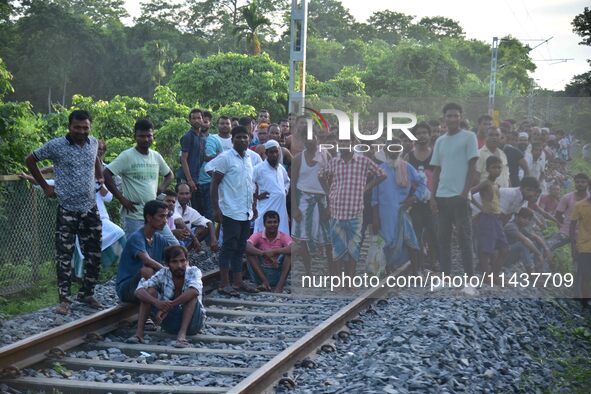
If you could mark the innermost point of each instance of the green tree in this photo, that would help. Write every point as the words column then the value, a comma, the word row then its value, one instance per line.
column 514, row 63
column 253, row 21
column 582, row 26
column 390, row 26
column 436, row 28
column 421, row 71
column 163, row 13
column 226, row 78
column 5, row 78
column 330, row 20
column 159, row 54
column 580, row 85
column 49, row 62
column 100, row 12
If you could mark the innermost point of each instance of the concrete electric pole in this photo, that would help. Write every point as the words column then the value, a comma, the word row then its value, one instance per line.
column 297, row 56
column 493, row 76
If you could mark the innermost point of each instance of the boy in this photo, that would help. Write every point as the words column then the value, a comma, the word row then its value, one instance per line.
column 490, row 237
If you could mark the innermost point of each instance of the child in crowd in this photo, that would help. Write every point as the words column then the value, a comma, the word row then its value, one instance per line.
column 490, row 237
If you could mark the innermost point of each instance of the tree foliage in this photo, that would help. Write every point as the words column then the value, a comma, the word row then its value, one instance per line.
column 227, row 78
column 253, row 22
column 582, row 26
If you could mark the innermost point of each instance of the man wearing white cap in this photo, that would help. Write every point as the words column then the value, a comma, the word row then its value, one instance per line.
column 272, row 185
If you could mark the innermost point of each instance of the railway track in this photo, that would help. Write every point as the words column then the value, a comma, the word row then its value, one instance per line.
column 246, row 346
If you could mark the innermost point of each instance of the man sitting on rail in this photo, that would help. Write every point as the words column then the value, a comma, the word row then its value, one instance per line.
column 143, row 251
column 268, row 254
column 173, row 295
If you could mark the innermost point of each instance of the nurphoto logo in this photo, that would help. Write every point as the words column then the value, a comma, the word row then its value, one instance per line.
column 344, row 130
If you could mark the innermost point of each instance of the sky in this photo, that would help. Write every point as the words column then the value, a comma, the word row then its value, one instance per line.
column 523, row 19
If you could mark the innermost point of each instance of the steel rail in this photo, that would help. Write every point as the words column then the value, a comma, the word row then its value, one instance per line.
column 34, row 349
column 269, row 373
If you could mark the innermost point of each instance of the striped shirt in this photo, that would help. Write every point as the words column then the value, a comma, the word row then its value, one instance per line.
column 347, row 184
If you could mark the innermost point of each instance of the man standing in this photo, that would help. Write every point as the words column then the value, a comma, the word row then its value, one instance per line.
column 420, row 213
column 345, row 180
column 580, row 233
column 284, row 129
column 233, row 203
column 565, row 208
column 515, row 159
column 272, row 185
column 485, row 122
column 192, row 153
column 213, row 147
column 223, row 135
column 491, row 148
column 454, row 158
column 139, row 168
column 76, row 166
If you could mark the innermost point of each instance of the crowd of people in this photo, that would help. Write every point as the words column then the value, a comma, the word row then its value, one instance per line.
column 264, row 193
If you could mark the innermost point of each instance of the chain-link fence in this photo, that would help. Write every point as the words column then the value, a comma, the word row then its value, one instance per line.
column 27, row 233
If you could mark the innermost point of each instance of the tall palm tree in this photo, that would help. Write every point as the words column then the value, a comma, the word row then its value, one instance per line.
column 158, row 53
column 253, row 21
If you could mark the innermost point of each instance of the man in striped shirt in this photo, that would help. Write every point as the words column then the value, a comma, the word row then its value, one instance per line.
column 345, row 180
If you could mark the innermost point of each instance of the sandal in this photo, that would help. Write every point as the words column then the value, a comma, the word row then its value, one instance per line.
column 135, row 340
column 263, row 288
column 229, row 291
column 63, row 308
column 150, row 325
column 247, row 289
column 90, row 301
column 181, row 343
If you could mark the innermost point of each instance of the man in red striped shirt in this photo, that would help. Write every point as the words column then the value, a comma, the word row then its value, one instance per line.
column 345, row 180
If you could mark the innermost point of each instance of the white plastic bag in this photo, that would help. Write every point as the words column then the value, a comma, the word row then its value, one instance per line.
column 376, row 261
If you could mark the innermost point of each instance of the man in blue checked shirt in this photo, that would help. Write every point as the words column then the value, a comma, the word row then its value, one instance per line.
column 173, row 295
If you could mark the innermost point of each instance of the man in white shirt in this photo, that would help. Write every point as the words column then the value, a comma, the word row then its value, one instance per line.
column 272, row 185
column 193, row 219
column 232, row 197
column 224, row 128
column 491, row 148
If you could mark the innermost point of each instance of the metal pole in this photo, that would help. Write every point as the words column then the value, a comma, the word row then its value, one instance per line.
column 297, row 56
column 493, row 76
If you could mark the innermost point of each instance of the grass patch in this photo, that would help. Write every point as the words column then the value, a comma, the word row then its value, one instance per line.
column 43, row 293
column 576, row 370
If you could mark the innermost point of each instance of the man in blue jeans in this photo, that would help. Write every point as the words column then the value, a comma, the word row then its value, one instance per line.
column 232, row 198
column 173, row 295
column 454, row 161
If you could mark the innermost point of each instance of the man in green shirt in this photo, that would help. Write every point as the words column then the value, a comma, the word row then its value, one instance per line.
column 139, row 168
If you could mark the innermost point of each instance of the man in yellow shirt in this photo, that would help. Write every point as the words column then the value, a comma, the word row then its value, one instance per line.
column 580, row 235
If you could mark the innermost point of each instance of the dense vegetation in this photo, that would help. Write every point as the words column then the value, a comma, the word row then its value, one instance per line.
column 228, row 56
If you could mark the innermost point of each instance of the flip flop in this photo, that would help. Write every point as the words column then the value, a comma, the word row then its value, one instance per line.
column 181, row 343
column 63, row 308
column 90, row 301
column 247, row 289
column 150, row 325
column 135, row 340
column 262, row 288
column 229, row 291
